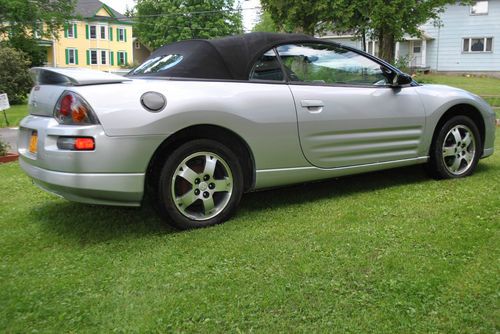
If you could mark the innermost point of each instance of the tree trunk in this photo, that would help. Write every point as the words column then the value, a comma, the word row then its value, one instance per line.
column 363, row 38
column 387, row 46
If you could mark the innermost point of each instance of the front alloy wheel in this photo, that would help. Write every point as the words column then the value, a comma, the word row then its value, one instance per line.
column 459, row 148
column 200, row 185
column 456, row 149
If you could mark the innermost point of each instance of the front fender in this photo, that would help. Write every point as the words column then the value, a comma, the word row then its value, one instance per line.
column 438, row 99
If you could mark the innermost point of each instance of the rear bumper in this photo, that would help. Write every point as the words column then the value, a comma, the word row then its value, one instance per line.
column 488, row 152
column 111, row 174
column 106, row 189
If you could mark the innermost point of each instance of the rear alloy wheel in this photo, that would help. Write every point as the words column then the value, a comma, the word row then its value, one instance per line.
column 201, row 185
column 456, row 150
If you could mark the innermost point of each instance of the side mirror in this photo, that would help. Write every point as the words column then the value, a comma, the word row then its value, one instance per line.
column 401, row 79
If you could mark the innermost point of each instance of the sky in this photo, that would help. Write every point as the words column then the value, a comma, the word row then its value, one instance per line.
column 250, row 13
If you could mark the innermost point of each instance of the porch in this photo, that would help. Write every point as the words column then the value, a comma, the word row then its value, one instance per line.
column 414, row 51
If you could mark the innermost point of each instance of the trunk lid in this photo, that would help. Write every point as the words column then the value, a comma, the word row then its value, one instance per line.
column 50, row 83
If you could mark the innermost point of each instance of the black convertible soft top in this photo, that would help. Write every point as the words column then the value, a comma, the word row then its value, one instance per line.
column 229, row 58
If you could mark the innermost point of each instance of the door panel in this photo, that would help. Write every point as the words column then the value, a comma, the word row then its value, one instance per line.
column 347, row 113
column 358, row 125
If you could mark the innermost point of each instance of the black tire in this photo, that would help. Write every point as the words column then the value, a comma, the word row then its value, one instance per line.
column 442, row 158
column 167, row 200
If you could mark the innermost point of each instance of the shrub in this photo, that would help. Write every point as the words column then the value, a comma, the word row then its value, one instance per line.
column 403, row 63
column 15, row 79
column 4, row 148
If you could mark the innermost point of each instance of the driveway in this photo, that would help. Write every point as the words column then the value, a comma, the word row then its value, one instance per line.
column 9, row 135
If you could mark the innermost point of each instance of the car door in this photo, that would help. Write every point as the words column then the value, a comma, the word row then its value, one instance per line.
column 347, row 112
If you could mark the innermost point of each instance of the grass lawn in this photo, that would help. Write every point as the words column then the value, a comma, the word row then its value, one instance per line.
column 475, row 84
column 14, row 115
column 387, row 252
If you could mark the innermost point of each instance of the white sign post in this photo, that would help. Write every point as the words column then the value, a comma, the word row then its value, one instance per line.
column 4, row 105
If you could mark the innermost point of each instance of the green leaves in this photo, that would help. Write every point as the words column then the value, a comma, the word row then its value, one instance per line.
column 15, row 79
column 383, row 20
column 21, row 19
column 160, row 22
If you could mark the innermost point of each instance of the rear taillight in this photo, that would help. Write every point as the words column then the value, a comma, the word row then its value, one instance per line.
column 72, row 109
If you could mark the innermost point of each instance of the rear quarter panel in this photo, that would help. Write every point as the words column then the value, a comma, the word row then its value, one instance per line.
column 262, row 114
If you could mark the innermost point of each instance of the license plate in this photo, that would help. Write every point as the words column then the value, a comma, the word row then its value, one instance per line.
column 33, row 142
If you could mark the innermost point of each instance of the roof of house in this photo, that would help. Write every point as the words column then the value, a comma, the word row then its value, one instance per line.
column 89, row 9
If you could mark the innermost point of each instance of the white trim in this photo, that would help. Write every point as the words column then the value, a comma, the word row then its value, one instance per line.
column 423, row 51
column 72, row 25
column 485, row 42
column 479, row 14
column 106, row 32
column 99, row 57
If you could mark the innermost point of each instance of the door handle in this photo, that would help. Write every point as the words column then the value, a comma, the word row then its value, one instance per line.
column 313, row 106
column 312, row 103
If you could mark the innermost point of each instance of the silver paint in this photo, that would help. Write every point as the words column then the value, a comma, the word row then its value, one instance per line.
column 296, row 133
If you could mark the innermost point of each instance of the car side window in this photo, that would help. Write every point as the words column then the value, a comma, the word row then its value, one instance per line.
column 267, row 67
column 327, row 64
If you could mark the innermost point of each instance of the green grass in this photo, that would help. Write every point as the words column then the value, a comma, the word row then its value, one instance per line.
column 14, row 115
column 387, row 252
column 480, row 85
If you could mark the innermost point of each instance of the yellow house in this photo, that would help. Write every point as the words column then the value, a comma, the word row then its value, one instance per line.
column 99, row 38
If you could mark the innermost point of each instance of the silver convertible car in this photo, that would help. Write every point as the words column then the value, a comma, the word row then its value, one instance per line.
column 201, row 122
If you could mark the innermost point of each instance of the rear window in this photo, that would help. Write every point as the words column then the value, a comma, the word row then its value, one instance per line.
column 157, row 64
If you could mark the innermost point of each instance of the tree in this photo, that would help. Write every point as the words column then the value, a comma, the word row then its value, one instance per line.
column 385, row 20
column 160, row 22
column 129, row 12
column 265, row 24
column 20, row 19
column 304, row 16
column 15, row 79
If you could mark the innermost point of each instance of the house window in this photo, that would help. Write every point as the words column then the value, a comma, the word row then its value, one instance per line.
column 72, row 56
column 479, row 8
column 93, row 32
column 122, row 58
column 417, row 46
column 102, row 30
column 104, row 57
column 93, row 57
column 71, row 31
column 121, row 34
column 482, row 44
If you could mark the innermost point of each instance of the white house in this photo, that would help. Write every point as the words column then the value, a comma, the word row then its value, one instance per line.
column 467, row 39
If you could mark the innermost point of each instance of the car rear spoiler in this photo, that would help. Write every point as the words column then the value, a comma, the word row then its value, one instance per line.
column 73, row 76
